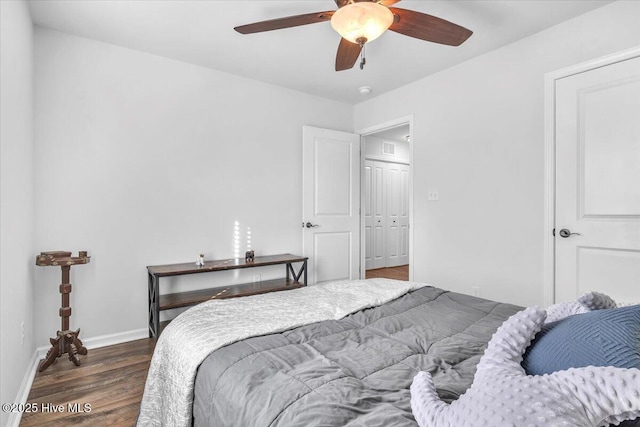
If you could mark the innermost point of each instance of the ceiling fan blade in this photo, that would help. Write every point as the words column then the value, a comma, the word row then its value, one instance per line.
column 286, row 22
column 427, row 27
column 341, row 3
column 347, row 55
column 388, row 2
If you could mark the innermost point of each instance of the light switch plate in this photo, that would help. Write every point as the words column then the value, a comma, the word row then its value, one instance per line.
column 433, row 195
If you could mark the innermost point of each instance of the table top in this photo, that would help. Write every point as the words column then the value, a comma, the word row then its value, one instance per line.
column 220, row 265
column 61, row 258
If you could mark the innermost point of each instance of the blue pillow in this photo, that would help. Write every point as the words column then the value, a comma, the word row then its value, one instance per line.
column 608, row 337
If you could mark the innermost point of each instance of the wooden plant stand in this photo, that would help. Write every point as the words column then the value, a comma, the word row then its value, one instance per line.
column 67, row 341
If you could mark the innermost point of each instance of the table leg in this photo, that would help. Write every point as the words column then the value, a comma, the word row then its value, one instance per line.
column 304, row 266
column 65, row 342
column 154, row 306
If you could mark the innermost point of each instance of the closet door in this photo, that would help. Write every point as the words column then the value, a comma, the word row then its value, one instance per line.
column 367, row 185
column 374, row 214
column 403, row 217
column 379, row 257
column 397, row 214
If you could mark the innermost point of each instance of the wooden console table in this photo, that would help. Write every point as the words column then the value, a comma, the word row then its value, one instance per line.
column 158, row 302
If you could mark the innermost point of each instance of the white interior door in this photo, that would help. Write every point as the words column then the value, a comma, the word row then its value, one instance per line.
column 331, row 204
column 379, row 236
column 374, row 214
column 598, row 182
column 397, row 214
column 386, row 214
column 367, row 208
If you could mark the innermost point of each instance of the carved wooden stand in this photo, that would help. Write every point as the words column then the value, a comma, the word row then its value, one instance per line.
column 67, row 341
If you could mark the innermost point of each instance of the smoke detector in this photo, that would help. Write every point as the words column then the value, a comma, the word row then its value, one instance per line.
column 364, row 90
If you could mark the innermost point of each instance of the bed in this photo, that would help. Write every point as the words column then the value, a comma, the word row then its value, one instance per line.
column 345, row 356
column 340, row 354
column 355, row 371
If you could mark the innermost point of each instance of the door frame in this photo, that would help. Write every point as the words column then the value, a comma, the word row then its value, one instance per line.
column 368, row 131
column 550, row 158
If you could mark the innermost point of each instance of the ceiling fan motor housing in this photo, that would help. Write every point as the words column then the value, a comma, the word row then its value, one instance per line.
column 363, row 20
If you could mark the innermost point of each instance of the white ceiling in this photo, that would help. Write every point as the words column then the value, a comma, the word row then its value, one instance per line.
column 398, row 133
column 301, row 58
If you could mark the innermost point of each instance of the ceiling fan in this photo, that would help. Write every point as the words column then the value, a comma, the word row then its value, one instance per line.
column 362, row 21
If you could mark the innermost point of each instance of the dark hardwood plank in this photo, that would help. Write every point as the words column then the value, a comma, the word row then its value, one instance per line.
column 85, row 386
column 111, row 379
column 112, row 361
column 400, row 272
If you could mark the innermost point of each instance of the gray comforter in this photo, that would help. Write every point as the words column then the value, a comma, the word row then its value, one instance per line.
column 355, row 371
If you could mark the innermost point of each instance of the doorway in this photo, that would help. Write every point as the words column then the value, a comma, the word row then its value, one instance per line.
column 333, row 235
column 386, row 206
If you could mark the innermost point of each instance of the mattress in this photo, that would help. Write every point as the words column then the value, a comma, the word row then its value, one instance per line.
column 355, row 371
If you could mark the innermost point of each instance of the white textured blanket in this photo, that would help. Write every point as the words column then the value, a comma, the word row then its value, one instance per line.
column 190, row 337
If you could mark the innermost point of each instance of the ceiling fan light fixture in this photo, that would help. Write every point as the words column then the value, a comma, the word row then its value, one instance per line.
column 363, row 20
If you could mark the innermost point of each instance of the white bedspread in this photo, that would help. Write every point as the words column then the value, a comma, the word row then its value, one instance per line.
column 190, row 337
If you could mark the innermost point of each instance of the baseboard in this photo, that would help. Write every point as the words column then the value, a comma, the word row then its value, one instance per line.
column 25, row 388
column 41, row 352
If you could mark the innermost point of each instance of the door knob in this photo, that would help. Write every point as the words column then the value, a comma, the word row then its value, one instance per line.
column 567, row 233
column 309, row 225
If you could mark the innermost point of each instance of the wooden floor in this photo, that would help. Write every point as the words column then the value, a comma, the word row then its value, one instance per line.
column 109, row 379
column 399, row 273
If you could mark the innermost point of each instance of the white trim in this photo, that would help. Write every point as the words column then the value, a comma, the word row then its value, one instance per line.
column 363, row 248
column 548, row 274
column 548, row 257
column 41, row 352
column 388, row 125
column 375, row 129
column 385, row 160
column 25, row 388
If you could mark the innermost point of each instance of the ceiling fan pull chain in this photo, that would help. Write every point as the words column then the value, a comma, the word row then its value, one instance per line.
column 363, row 60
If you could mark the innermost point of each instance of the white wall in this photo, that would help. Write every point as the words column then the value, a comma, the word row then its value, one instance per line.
column 479, row 139
column 17, row 255
column 143, row 160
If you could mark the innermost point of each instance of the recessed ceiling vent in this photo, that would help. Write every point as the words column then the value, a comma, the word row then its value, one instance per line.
column 388, row 148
